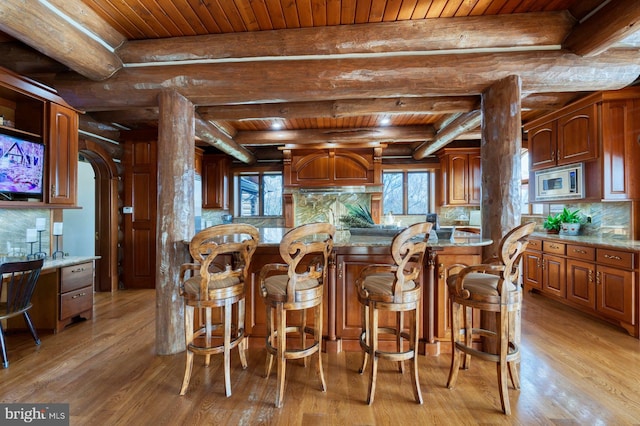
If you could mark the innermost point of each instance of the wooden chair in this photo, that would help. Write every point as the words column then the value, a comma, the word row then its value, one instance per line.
column 222, row 255
column 297, row 285
column 17, row 282
column 394, row 288
column 490, row 287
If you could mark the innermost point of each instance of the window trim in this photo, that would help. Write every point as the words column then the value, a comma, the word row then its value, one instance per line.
column 405, row 169
column 237, row 204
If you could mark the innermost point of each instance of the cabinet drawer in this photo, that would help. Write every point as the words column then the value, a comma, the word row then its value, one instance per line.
column 75, row 302
column 581, row 252
column 620, row 259
column 76, row 276
column 553, row 247
column 534, row 245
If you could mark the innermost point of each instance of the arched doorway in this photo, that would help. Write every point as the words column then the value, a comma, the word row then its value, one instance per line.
column 107, row 217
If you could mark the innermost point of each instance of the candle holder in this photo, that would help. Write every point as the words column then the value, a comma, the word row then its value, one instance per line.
column 31, row 255
column 60, row 252
column 39, row 254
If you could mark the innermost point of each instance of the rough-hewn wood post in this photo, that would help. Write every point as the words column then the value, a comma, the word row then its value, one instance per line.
column 501, row 145
column 175, row 222
column 501, row 180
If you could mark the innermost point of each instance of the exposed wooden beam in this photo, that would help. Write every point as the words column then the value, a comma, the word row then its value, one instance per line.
column 209, row 133
column 341, row 108
column 486, row 32
column 611, row 24
column 52, row 32
column 308, row 80
column 460, row 125
column 337, row 136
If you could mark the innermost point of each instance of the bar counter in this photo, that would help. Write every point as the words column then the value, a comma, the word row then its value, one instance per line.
column 342, row 316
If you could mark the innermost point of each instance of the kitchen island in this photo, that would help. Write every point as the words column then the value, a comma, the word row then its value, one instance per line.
column 342, row 315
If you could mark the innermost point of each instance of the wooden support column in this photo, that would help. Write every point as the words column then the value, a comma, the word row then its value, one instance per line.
column 500, row 162
column 175, row 220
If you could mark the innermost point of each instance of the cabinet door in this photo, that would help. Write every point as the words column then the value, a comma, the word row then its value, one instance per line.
column 554, row 276
column 63, row 155
column 581, row 286
column 620, row 130
column 215, row 182
column 542, row 146
column 458, row 176
column 577, row 138
column 532, row 270
column 448, row 265
column 616, row 293
column 475, row 179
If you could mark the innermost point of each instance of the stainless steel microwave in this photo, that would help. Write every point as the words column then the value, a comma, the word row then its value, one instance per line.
column 560, row 183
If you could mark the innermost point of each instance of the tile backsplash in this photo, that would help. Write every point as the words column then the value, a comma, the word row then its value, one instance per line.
column 13, row 231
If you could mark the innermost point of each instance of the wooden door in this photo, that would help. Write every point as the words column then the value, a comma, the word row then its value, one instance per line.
column 140, row 194
column 458, row 179
column 616, row 293
column 532, row 270
column 554, row 276
column 62, row 146
column 542, row 146
column 581, row 286
column 577, row 136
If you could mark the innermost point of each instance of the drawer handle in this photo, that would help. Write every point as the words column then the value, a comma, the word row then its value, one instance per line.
column 77, row 270
column 553, row 246
column 608, row 256
column 75, row 296
column 579, row 251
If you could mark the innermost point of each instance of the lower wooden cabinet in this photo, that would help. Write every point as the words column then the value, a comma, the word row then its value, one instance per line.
column 597, row 280
column 62, row 296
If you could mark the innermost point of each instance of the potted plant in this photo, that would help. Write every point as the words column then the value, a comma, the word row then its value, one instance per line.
column 553, row 224
column 571, row 221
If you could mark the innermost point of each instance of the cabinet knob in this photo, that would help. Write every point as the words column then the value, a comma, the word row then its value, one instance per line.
column 53, row 190
column 579, row 251
column 553, row 246
column 607, row 256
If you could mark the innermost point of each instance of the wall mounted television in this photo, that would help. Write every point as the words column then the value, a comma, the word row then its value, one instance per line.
column 21, row 167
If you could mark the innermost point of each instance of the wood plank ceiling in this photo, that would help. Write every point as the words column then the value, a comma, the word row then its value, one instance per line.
column 346, row 71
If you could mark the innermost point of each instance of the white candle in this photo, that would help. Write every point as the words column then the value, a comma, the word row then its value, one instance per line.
column 32, row 235
column 57, row 228
column 41, row 224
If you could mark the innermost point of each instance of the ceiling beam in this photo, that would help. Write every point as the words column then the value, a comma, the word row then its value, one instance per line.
column 416, row 76
column 462, row 124
column 340, row 109
column 210, row 134
column 50, row 29
column 336, row 136
column 429, row 35
column 615, row 21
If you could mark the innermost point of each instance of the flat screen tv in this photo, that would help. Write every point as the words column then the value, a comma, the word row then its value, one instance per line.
column 21, row 166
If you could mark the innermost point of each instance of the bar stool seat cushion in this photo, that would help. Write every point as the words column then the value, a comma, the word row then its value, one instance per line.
column 192, row 285
column 382, row 284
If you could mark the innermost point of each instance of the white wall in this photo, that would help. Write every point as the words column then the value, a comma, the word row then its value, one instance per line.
column 80, row 224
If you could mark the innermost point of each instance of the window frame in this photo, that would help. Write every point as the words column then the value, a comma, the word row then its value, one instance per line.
column 260, row 172
column 406, row 169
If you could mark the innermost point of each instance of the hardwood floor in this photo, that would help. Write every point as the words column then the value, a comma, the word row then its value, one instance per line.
column 575, row 371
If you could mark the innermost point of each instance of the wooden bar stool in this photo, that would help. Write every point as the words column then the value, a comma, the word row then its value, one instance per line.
column 297, row 285
column 491, row 287
column 17, row 283
column 217, row 280
column 395, row 288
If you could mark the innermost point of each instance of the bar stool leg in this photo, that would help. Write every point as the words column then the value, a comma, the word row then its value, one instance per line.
column 455, row 352
column 414, row 331
column 318, row 339
column 244, row 343
column 281, row 319
column 366, row 332
column 373, row 320
column 188, row 331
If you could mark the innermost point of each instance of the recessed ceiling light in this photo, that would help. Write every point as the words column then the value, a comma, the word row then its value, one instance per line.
column 276, row 126
column 385, row 121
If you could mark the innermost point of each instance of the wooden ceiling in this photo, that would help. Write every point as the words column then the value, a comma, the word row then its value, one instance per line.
column 406, row 72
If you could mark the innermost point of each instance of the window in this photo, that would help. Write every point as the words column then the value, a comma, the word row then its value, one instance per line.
column 527, row 208
column 407, row 192
column 260, row 194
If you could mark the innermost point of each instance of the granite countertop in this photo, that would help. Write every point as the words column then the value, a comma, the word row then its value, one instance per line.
column 54, row 263
column 343, row 238
column 608, row 242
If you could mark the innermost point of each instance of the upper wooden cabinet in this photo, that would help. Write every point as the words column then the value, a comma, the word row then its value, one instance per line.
column 215, row 181
column 37, row 112
column 332, row 167
column 63, row 155
column 461, row 176
column 565, row 139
